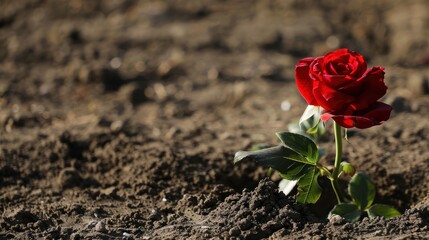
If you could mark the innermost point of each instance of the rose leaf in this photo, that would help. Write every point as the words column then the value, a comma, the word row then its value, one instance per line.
column 348, row 211
column 287, row 162
column 309, row 190
column 362, row 190
column 382, row 210
column 300, row 144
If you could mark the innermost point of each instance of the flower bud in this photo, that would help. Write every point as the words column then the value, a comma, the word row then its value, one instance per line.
column 348, row 168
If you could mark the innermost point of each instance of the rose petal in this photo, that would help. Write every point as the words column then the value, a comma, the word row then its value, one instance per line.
column 337, row 81
column 373, row 88
column 330, row 69
column 359, row 65
column 332, row 56
column 344, row 62
column 304, row 82
column 316, row 69
column 377, row 114
column 330, row 99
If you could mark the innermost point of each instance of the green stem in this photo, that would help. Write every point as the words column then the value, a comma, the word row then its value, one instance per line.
column 337, row 190
column 337, row 164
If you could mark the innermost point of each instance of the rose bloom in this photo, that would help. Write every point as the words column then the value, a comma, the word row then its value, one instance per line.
column 341, row 84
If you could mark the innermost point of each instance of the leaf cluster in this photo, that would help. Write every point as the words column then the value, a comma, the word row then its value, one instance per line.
column 362, row 192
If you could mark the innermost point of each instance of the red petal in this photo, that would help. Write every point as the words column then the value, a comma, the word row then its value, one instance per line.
column 354, row 60
column 303, row 80
column 373, row 88
column 330, row 99
column 377, row 114
column 337, row 81
column 359, row 64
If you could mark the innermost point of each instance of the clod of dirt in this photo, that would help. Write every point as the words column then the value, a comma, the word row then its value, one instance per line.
column 259, row 213
column 70, row 177
column 20, row 216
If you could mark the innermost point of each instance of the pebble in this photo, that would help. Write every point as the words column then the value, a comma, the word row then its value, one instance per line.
column 100, row 227
column 127, row 235
column 336, row 220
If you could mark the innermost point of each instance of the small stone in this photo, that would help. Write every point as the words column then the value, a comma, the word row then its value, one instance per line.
column 336, row 220
column 116, row 125
column 115, row 62
column 111, row 191
column 100, row 227
column 127, row 235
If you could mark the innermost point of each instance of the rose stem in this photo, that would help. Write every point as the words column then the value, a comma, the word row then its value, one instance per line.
column 338, row 155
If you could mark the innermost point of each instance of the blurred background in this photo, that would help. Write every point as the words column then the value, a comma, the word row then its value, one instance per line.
column 66, row 53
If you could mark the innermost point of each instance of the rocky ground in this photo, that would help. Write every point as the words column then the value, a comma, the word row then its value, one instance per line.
column 119, row 119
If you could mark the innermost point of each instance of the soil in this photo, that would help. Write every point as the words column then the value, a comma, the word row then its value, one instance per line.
column 120, row 119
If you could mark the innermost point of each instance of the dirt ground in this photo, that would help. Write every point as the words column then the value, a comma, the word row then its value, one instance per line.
column 119, row 119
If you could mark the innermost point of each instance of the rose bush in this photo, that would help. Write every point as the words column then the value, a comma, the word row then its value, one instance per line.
column 341, row 84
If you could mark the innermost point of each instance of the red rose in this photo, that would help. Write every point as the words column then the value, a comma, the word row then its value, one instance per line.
column 341, row 84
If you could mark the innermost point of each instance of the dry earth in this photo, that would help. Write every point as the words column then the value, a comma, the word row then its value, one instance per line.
column 119, row 119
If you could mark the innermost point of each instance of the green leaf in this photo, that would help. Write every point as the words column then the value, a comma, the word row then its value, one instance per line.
column 309, row 190
column 348, row 211
column 362, row 190
column 295, row 171
column 300, row 144
column 382, row 210
column 287, row 162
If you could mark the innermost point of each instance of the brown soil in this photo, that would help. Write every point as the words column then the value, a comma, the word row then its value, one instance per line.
column 119, row 119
